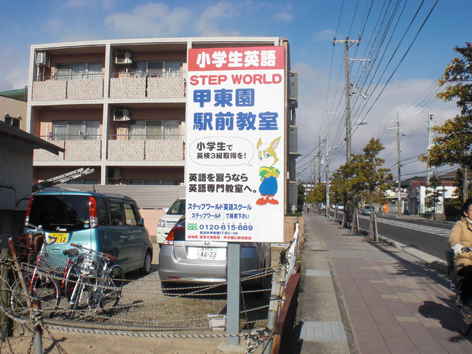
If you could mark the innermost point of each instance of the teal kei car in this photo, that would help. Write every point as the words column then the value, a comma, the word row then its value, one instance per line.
column 108, row 223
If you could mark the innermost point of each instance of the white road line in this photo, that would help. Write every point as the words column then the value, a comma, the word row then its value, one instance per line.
column 417, row 227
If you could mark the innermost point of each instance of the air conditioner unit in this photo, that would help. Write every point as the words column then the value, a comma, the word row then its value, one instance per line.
column 114, row 173
column 123, row 57
column 293, row 140
column 42, row 59
column 293, row 86
column 121, row 114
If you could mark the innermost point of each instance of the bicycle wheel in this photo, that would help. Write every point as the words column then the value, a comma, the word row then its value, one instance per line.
column 18, row 305
column 43, row 287
column 74, row 287
column 72, row 276
column 108, row 289
column 76, row 299
column 465, row 319
column 464, row 305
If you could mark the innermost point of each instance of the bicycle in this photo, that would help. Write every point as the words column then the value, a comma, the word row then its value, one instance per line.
column 41, row 282
column 94, row 273
column 463, row 301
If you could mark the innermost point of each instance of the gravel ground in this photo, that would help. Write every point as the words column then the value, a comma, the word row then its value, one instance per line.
column 146, row 306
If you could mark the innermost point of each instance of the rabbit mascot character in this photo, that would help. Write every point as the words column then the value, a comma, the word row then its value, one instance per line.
column 267, row 172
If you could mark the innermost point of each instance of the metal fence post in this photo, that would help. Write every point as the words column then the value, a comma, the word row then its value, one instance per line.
column 38, row 330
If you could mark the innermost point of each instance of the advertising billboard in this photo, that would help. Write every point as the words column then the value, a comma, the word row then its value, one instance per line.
column 235, row 144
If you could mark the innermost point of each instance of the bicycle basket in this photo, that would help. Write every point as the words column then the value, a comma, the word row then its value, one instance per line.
column 48, row 261
column 85, row 263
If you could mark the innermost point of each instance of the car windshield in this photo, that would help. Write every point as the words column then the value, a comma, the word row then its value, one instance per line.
column 53, row 212
column 178, row 208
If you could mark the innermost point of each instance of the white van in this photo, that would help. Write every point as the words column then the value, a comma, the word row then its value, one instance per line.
column 168, row 220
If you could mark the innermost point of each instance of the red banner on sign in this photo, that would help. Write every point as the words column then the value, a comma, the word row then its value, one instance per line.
column 244, row 58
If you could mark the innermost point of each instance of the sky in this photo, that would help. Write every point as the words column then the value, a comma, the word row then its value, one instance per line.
column 409, row 44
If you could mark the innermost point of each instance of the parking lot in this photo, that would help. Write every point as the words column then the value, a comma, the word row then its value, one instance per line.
column 146, row 306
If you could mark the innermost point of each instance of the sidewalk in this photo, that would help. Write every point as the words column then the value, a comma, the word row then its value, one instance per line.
column 361, row 297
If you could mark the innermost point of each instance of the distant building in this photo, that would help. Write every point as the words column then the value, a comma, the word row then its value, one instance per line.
column 13, row 108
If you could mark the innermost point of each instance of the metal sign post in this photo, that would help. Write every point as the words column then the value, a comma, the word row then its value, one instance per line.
column 233, row 294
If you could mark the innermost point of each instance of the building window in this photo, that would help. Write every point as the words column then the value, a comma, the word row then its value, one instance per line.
column 83, row 181
column 154, row 129
column 152, row 182
column 12, row 121
column 76, row 130
column 155, row 69
column 78, row 71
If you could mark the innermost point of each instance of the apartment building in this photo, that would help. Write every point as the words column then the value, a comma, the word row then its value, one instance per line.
column 119, row 106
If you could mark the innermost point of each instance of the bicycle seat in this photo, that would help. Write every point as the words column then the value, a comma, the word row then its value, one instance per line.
column 72, row 252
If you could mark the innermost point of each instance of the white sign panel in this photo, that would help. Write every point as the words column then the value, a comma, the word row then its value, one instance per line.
column 235, row 144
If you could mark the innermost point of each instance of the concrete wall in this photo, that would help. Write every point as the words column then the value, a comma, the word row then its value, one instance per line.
column 151, row 218
column 16, row 161
column 11, row 224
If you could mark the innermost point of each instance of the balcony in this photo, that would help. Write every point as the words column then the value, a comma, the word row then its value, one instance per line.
column 155, row 150
column 75, row 150
column 122, row 86
column 136, row 86
column 165, row 149
column 51, row 89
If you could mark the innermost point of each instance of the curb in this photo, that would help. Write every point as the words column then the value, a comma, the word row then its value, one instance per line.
column 427, row 259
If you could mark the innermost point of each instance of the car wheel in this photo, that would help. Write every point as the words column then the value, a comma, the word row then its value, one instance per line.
column 146, row 268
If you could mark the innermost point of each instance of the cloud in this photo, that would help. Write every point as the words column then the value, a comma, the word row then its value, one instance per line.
column 284, row 16
column 382, row 117
column 150, row 20
column 53, row 25
column 324, row 35
column 5, row 85
column 207, row 24
column 17, row 76
column 80, row 4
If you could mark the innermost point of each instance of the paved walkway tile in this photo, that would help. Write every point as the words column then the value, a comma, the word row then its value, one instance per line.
column 392, row 302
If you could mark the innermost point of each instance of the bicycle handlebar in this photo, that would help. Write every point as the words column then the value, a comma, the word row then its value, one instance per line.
column 101, row 254
column 39, row 230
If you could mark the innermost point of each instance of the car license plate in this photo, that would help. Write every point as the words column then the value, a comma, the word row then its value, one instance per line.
column 206, row 253
column 60, row 237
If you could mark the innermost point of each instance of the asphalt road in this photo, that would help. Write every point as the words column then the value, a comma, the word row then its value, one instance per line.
column 427, row 236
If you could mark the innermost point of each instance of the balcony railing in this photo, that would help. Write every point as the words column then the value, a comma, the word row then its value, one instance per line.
column 142, row 85
column 169, row 85
column 75, row 150
column 76, row 87
column 159, row 148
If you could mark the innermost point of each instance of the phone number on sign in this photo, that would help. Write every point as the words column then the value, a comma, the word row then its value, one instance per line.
column 220, row 227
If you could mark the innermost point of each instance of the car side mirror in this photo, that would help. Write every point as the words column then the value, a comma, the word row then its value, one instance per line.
column 141, row 221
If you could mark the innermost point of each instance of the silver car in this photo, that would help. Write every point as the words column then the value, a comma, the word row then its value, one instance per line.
column 205, row 261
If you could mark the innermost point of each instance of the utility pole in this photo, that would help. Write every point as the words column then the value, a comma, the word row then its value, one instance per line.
column 319, row 159
column 399, row 168
column 313, row 176
column 429, row 124
column 346, row 42
column 327, row 165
